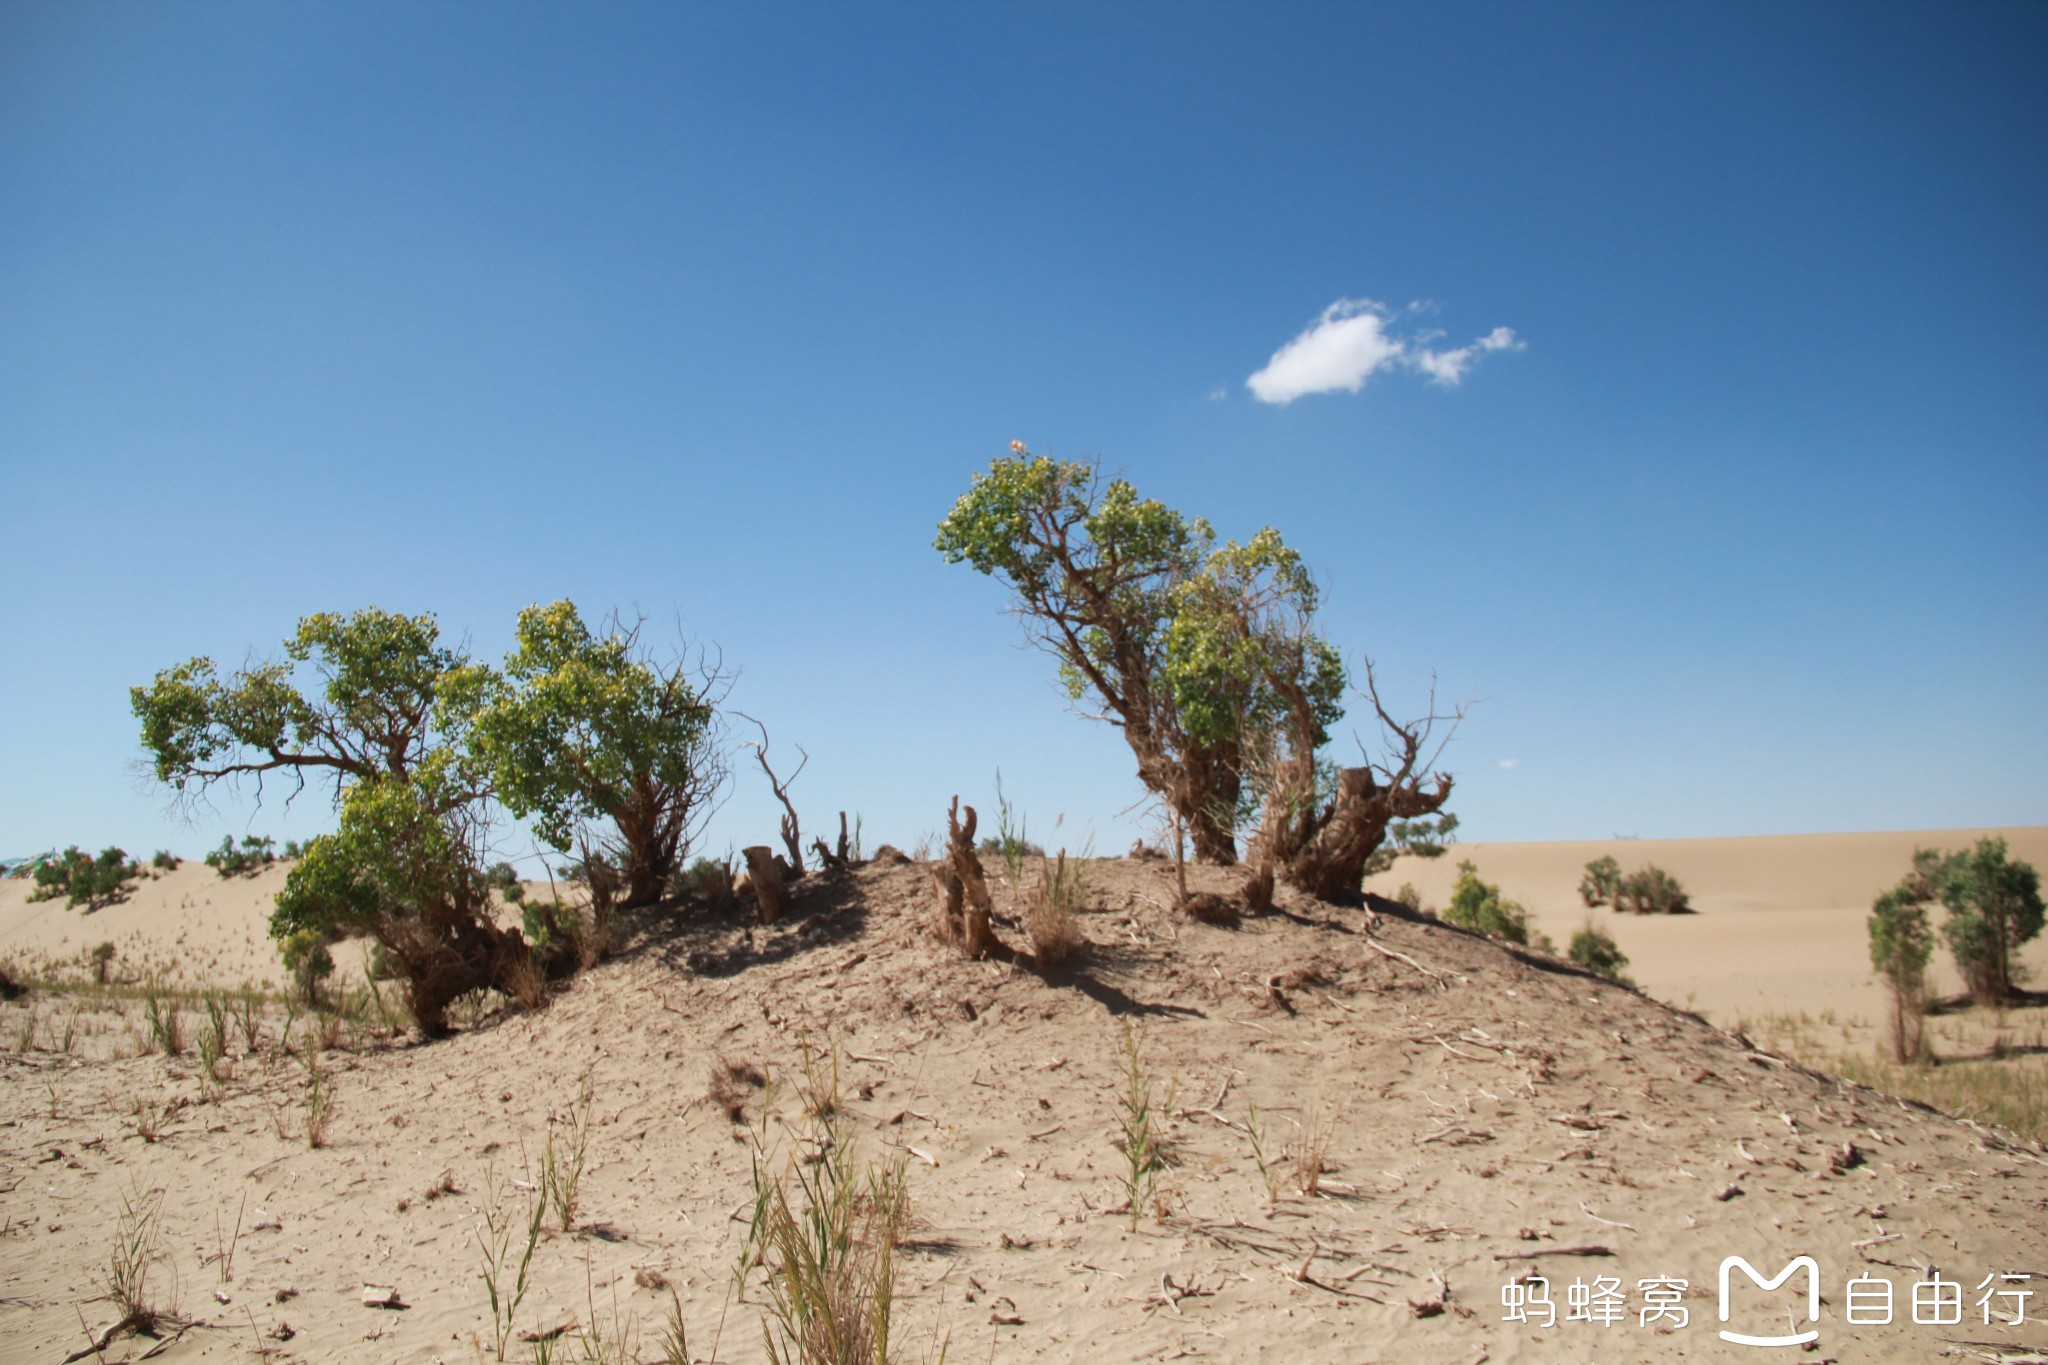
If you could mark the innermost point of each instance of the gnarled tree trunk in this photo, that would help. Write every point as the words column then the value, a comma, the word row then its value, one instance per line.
column 769, row 875
column 964, row 906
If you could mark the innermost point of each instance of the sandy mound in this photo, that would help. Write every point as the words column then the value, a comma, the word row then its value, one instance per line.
column 1486, row 1114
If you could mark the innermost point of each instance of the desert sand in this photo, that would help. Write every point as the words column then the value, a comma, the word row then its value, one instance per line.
column 1482, row 1114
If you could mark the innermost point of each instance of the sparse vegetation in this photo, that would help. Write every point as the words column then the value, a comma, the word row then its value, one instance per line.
column 165, row 861
column 319, row 1102
column 1138, row 1135
column 254, row 854
column 1596, row 951
column 507, row 1242
column 138, row 1248
column 1309, row 1152
column 82, row 879
column 1479, row 905
column 830, row 1256
column 561, row 1163
column 1428, row 837
column 1602, row 880
column 1052, row 906
column 1651, row 891
column 307, row 958
column 1900, row 944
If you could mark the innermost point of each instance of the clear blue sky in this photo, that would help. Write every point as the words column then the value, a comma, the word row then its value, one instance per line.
column 711, row 310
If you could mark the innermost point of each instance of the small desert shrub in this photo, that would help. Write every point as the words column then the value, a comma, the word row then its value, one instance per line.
column 1602, row 879
column 319, row 1102
column 166, row 1024
column 1138, row 1135
column 1597, row 952
column 252, row 857
column 831, row 1257
column 84, row 880
column 164, row 861
column 138, row 1247
column 101, row 957
column 1050, row 910
column 1479, row 905
column 504, row 877
column 547, row 922
column 1651, row 891
column 1900, row 944
column 292, row 851
column 306, row 957
column 1310, row 1150
column 708, row 879
column 561, row 1163
column 1409, row 897
column 10, row 989
column 527, row 982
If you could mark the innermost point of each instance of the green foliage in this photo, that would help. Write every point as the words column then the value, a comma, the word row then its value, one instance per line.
column 1597, row 952
column 1900, row 944
column 1479, row 905
column 307, row 958
column 1994, row 907
column 377, row 674
column 1199, row 652
column 164, row 861
column 102, row 959
column 582, row 729
column 82, row 879
column 706, row 878
column 252, row 857
column 356, row 699
column 1601, row 882
column 549, row 922
column 1651, row 891
column 1427, row 837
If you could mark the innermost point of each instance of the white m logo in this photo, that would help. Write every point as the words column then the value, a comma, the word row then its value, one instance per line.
column 1806, row 1263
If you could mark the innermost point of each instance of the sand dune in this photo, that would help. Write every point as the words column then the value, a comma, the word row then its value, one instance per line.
column 1781, row 922
column 1487, row 1115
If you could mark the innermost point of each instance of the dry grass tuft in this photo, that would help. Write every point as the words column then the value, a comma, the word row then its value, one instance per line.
column 1050, row 910
column 831, row 1259
column 731, row 1084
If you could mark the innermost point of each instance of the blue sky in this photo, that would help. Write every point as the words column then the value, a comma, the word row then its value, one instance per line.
column 711, row 311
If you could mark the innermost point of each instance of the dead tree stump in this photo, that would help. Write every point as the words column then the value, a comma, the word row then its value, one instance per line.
column 769, row 875
column 964, row 906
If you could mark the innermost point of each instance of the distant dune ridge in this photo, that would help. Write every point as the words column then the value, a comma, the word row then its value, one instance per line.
column 1781, row 917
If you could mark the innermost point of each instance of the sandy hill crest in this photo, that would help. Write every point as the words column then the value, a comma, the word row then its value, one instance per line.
column 1483, row 1114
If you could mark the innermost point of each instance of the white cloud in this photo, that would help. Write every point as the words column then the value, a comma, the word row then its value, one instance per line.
column 1218, row 395
column 1352, row 341
column 1511, row 763
column 1339, row 351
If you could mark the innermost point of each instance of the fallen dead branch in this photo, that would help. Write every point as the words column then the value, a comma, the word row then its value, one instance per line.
column 1590, row 1249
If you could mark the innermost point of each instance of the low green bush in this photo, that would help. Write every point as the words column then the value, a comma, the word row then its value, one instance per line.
column 252, row 857
column 1651, row 891
column 1597, row 952
column 85, row 880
